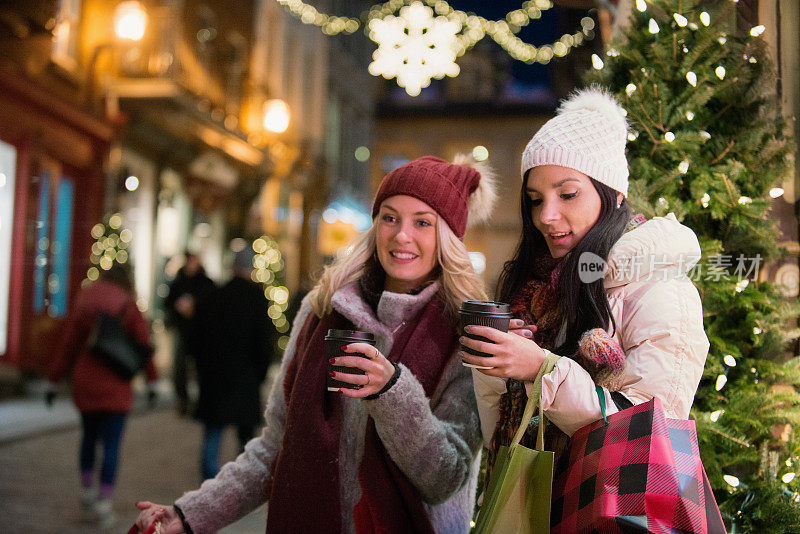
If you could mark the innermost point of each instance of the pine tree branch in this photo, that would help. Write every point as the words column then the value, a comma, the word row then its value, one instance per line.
column 735, row 440
column 722, row 155
column 658, row 185
column 646, row 114
column 721, row 112
column 675, row 47
column 728, row 187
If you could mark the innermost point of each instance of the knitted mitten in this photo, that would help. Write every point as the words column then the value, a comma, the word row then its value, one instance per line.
column 602, row 356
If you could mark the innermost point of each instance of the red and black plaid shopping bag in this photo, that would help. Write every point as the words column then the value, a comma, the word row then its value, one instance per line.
column 637, row 472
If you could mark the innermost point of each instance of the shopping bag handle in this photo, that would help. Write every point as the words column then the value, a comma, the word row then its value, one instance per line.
column 601, row 396
column 534, row 400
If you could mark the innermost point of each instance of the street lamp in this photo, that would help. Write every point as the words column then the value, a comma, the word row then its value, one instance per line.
column 129, row 22
column 276, row 115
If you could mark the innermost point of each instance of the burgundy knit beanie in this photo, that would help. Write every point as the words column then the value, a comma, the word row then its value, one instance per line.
column 445, row 187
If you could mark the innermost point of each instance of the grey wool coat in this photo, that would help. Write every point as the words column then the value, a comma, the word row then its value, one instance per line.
column 435, row 442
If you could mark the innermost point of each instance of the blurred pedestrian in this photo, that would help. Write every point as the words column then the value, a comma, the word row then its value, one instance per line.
column 397, row 449
column 101, row 395
column 233, row 343
column 191, row 284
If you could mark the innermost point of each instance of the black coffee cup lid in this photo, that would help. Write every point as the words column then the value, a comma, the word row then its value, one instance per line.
column 351, row 335
column 485, row 307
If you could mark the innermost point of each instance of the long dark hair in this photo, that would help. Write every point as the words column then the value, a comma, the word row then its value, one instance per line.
column 584, row 306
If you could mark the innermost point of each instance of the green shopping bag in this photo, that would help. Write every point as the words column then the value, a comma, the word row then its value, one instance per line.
column 517, row 499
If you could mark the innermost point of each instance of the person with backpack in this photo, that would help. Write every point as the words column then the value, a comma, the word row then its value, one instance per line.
column 102, row 396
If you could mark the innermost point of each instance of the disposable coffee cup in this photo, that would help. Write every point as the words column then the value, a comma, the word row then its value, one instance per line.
column 496, row 315
column 334, row 341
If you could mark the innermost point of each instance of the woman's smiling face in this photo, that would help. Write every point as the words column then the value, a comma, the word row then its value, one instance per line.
column 564, row 206
column 405, row 239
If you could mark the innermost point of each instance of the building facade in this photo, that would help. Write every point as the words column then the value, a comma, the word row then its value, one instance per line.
column 52, row 154
column 196, row 122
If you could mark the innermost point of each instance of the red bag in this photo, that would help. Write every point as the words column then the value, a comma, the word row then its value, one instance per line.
column 637, row 471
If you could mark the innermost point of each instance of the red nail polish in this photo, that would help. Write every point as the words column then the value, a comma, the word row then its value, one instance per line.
column 332, row 360
column 344, row 348
column 332, row 374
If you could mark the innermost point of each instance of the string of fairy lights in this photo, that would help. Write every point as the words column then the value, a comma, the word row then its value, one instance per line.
column 268, row 270
column 110, row 246
column 420, row 39
column 769, row 458
column 475, row 27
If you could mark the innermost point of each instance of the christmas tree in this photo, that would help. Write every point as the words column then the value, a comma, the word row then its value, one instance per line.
column 707, row 145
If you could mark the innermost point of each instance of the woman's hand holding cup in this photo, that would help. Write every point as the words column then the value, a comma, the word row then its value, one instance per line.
column 513, row 354
column 518, row 326
column 377, row 370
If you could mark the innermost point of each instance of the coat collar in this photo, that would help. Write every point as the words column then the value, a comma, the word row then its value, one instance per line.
column 393, row 308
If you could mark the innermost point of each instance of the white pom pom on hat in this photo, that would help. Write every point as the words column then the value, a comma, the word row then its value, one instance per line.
column 482, row 200
column 587, row 134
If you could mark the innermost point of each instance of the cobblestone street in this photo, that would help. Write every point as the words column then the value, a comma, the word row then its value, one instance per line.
column 159, row 461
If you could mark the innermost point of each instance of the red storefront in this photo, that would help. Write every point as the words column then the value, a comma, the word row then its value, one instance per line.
column 53, row 152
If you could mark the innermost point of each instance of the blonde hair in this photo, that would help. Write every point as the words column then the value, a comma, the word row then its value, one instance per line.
column 458, row 280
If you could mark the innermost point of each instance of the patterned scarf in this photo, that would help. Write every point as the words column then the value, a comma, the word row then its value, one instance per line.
column 537, row 304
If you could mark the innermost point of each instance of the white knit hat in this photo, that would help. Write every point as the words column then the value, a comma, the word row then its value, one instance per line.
column 587, row 134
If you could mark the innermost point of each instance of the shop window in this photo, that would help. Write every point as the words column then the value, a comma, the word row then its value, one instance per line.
column 8, row 172
column 42, row 244
column 52, row 248
column 58, row 281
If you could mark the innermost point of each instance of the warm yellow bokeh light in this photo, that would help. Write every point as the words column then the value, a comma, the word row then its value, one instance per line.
column 115, row 221
column 276, row 115
column 98, row 230
column 130, row 20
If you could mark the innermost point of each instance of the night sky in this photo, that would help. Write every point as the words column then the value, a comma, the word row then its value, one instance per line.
column 538, row 32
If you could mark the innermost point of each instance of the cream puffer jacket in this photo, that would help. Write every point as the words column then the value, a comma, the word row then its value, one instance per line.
column 659, row 320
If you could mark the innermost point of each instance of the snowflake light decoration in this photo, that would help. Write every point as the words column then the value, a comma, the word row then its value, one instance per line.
column 414, row 47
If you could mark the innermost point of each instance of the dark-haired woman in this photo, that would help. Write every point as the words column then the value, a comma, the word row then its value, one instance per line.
column 102, row 397
column 609, row 295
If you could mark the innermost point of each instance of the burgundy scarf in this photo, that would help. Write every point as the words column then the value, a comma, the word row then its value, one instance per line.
column 305, row 490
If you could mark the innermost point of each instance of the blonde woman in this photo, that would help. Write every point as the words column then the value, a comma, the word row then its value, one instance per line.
column 400, row 452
